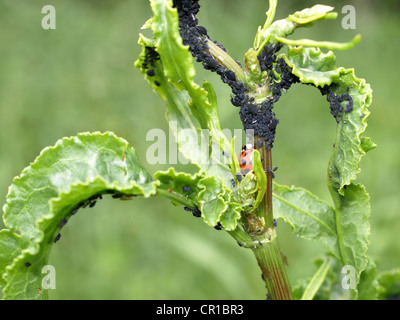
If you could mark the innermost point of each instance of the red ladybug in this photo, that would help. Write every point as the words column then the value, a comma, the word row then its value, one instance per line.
column 246, row 158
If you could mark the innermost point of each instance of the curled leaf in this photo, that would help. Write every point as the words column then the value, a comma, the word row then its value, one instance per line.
column 73, row 174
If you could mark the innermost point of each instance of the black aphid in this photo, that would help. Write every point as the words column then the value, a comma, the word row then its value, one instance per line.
column 225, row 154
column 275, row 223
column 271, row 172
column 63, row 222
column 151, row 73
column 196, row 212
column 186, row 189
column 157, row 83
column 92, row 204
column 57, row 237
column 230, row 75
column 233, row 183
column 201, row 30
column 238, row 176
column 218, row 226
column 27, row 264
column 74, row 211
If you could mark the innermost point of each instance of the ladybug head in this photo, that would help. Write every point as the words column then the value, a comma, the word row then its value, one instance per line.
column 247, row 146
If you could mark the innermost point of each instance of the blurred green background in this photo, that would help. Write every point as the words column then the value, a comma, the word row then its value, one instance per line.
column 80, row 77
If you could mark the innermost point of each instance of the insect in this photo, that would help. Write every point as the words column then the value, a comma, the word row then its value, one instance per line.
column 246, row 158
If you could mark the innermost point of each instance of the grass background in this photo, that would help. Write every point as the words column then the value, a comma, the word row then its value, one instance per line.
column 80, row 77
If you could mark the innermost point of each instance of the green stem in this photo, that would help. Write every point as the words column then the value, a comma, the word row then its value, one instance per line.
column 317, row 280
column 259, row 234
column 176, row 197
column 269, row 257
column 271, row 263
column 226, row 60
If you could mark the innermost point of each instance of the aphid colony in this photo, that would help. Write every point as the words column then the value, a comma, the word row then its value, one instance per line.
column 254, row 116
column 335, row 100
column 257, row 117
column 151, row 55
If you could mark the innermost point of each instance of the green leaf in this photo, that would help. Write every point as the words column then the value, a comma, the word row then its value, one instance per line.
column 310, row 217
column 317, row 280
column 261, row 178
column 321, row 44
column 70, row 175
column 369, row 285
column 175, row 72
column 352, row 226
column 230, row 217
column 280, row 29
column 318, row 68
column 211, row 199
column 181, row 188
column 179, row 69
column 389, row 284
column 10, row 248
column 315, row 13
column 352, row 208
column 193, row 145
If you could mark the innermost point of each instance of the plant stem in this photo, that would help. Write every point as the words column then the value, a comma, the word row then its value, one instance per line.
column 226, row 60
column 269, row 257
column 271, row 263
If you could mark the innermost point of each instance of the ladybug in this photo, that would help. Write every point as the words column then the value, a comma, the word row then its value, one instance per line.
column 246, row 158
